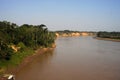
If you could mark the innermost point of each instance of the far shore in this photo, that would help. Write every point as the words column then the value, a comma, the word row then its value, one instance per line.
column 107, row 39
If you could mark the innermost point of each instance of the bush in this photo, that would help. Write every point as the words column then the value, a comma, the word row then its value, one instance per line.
column 21, row 45
column 5, row 51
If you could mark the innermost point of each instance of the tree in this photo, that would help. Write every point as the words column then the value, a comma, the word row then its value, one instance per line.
column 27, row 35
column 5, row 51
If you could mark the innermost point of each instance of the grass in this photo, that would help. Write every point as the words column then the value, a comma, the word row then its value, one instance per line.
column 16, row 59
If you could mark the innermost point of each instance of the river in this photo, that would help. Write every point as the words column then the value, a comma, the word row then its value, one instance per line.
column 76, row 58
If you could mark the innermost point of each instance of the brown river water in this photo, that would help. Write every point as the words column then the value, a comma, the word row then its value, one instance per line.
column 76, row 58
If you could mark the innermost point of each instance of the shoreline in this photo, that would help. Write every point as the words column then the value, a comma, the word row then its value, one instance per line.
column 107, row 39
column 26, row 61
column 29, row 59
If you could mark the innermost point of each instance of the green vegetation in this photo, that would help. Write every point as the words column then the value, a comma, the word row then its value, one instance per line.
column 16, row 59
column 111, row 35
column 17, row 42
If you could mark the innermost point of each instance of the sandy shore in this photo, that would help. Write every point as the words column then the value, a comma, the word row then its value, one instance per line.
column 108, row 39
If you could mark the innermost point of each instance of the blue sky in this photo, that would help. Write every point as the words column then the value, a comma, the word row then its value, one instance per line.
column 81, row 15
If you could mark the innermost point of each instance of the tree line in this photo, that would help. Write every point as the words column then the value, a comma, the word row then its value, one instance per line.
column 23, row 36
column 112, row 35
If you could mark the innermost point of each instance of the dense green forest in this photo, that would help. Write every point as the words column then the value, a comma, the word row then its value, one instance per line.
column 32, row 36
column 111, row 35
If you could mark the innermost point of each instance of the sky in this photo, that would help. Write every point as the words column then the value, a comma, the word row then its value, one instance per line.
column 80, row 15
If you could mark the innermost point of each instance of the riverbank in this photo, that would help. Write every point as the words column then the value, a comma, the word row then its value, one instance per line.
column 107, row 39
column 73, row 34
column 13, row 69
column 15, row 60
column 28, row 59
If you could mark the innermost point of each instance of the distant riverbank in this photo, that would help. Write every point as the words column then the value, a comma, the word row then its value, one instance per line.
column 68, row 33
column 108, row 39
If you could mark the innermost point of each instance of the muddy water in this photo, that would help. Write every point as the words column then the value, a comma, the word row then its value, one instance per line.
column 77, row 58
